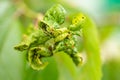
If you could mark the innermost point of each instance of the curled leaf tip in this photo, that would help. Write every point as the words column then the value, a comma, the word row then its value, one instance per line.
column 77, row 59
column 77, row 22
column 21, row 47
column 34, row 58
column 55, row 14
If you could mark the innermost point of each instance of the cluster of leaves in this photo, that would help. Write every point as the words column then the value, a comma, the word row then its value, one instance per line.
column 50, row 38
column 14, row 18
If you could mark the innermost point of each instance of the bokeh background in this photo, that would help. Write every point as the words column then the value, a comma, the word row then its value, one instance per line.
column 17, row 15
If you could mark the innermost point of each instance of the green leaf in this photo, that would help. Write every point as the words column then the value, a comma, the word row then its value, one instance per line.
column 10, row 61
column 111, row 70
column 6, row 18
column 92, row 68
column 106, row 31
column 66, row 67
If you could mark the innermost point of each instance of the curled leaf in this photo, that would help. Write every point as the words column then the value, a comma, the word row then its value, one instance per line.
column 22, row 46
column 34, row 58
column 55, row 15
column 77, row 59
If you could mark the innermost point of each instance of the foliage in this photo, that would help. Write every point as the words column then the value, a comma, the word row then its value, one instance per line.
column 18, row 17
column 50, row 38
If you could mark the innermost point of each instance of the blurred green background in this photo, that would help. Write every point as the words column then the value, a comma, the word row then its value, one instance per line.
column 17, row 15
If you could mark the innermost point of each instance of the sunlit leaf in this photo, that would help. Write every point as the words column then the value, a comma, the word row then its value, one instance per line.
column 92, row 68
